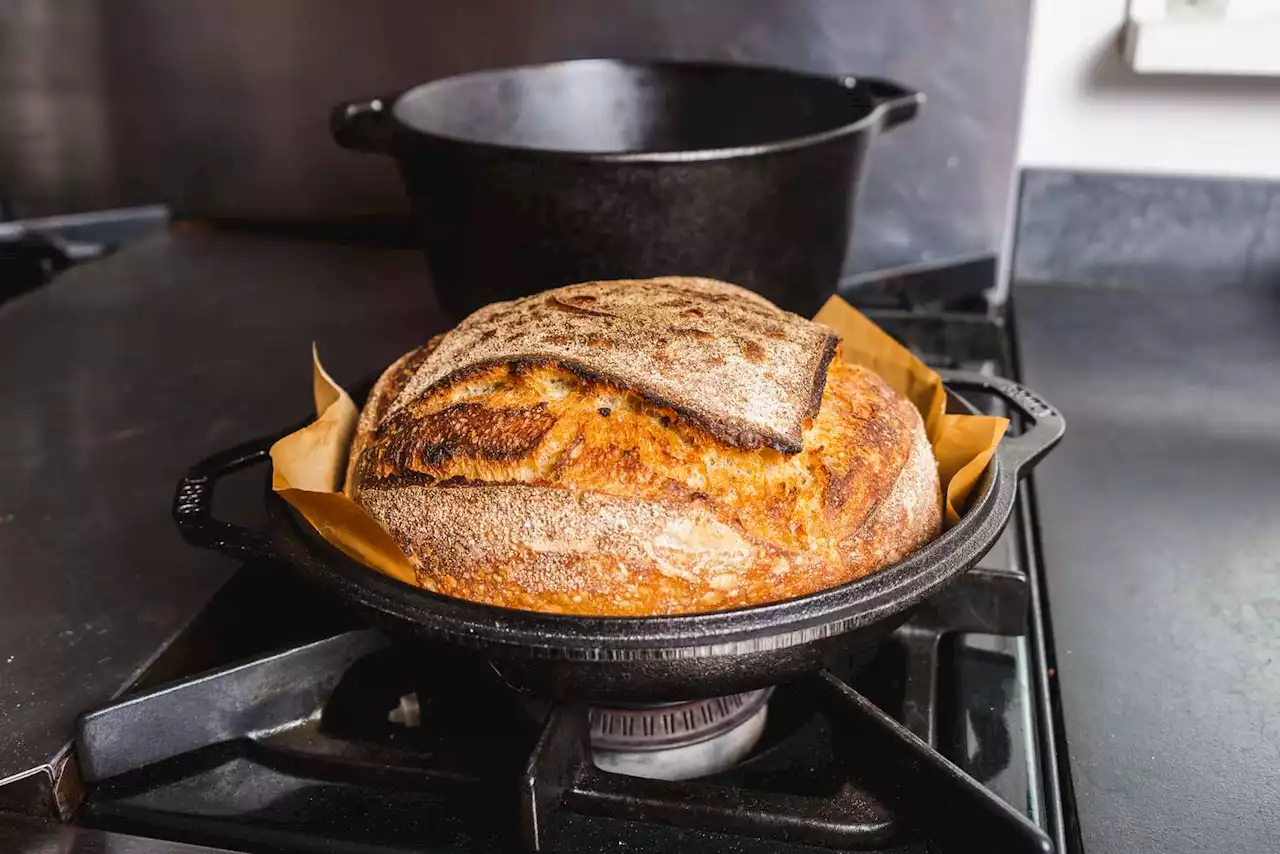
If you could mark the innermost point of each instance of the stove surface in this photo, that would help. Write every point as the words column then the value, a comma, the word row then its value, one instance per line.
column 310, row 748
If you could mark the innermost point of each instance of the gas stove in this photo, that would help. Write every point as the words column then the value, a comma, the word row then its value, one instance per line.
column 276, row 721
column 349, row 742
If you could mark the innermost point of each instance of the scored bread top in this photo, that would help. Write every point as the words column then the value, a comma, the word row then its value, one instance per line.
column 729, row 360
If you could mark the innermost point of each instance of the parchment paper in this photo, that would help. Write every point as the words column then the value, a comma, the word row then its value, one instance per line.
column 307, row 470
column 308, row 466
column 962, row 444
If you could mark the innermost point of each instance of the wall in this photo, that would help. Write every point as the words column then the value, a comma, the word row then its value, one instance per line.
column 1085, row 110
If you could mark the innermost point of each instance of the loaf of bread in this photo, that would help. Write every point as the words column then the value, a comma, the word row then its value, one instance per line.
column 638, row 448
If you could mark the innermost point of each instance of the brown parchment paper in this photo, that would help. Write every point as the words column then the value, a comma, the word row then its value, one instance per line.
column 962, row 444
column 308, row 466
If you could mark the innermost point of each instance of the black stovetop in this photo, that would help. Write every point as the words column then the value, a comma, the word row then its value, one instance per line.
column 293, row 750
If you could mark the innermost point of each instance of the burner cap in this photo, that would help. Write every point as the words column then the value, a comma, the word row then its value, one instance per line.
column 676, row 741
column 661, row 726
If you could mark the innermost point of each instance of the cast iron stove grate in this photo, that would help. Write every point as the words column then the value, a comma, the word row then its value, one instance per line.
column 295, row 751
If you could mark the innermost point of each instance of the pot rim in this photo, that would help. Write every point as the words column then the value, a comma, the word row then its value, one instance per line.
column 883, row 99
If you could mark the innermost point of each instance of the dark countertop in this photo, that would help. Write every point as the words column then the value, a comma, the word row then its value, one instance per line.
column 21, row 835
column 1160, row 520
column 117, row 377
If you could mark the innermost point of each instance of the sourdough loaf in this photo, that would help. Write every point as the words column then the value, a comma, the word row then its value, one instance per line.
column 641, row 447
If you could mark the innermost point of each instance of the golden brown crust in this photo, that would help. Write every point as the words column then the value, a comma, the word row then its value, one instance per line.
column 385, row 390
column 572, row 552
column 531, row 486
column 721, row 356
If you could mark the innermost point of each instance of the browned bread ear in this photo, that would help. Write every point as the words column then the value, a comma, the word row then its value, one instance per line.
column 721, row 356
column 384, row 391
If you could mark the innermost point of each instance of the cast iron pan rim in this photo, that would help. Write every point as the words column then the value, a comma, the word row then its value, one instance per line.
column 872, row 115
column 770, row 626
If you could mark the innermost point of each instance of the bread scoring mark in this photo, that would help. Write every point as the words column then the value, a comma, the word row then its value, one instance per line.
column 733, row 433
column 387, row 388
column 574, row 446
column 612, row 327
column 773, row 501
column 829, row 350
column 410, row 441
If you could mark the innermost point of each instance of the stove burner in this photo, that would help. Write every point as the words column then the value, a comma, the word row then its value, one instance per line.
column 658, row 726
column 677, row 741
column 316, row 745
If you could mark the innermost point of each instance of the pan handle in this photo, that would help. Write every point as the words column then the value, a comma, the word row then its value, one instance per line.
column 1023, row 451
column 364, row 125
column 193, row 503
column 897, row 104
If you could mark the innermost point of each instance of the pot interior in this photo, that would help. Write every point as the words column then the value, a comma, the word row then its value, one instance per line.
column 615, row 107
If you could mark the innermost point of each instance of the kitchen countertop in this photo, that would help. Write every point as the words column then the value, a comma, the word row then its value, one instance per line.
column 1161, row 553
column 21, row 835
column 117, row 377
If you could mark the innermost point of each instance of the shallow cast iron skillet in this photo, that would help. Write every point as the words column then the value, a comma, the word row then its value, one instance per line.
column 642, row 658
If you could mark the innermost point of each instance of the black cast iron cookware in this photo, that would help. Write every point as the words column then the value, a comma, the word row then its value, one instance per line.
column 643, row 658
column 522, row 179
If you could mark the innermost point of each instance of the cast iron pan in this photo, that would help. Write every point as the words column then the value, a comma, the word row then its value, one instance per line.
column 643, row 658
column 522, row 179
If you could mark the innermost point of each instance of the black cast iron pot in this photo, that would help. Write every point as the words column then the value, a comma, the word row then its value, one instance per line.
column 533, row 177
column 643, row 658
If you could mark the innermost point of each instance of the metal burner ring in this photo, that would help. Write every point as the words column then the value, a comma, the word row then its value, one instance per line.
column 661, row 726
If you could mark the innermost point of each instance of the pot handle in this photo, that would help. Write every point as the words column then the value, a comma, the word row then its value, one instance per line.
column 897, row 104
column 364, row 125
column 193, row 504
column 1026, row 449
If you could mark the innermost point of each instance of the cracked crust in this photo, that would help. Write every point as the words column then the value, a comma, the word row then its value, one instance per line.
column 532, row 485
column 721, row 356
